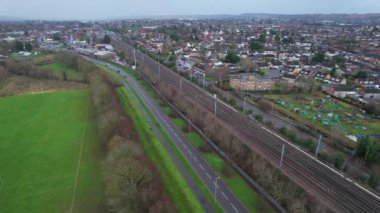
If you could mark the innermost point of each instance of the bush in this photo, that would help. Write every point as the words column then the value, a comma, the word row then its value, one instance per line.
column 259, row 117
column 324, row 156
column 374, row 180
column 205, row 148
column 231, row 57
column 338, row 160
column 368, row 150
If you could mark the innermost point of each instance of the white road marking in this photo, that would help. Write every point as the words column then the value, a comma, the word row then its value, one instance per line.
column 202, row 167
column 225, row 197
column 188, row 150
column 208, row 175
column 234, row 207
column 195, row 158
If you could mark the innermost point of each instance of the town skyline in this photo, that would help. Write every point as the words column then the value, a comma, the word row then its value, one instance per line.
column 116, row 9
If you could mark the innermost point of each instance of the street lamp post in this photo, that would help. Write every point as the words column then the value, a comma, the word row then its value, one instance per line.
column 272, row 109
column 180, row 84
column 282, row 155
column 159, row 67
column 215, row 104
column 204, row 76
column 245, row 98
column 317, row 148
column 216, row 186
column 134, row 56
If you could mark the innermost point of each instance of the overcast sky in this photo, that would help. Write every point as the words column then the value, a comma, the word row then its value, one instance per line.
column 104, row 9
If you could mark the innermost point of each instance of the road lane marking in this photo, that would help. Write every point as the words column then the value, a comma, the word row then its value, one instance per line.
column 224, row 195
column 188, row 150
column 208, row 175
column 202, row 167
column 234, row 207
column 195, row 158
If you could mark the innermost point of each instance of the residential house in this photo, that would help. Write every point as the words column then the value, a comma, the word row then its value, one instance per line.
column 340, row 91
column 371, row 93
column 304, row 72
column 367, row 83
column 321, row 76
column 336, row 80
column 290, row 78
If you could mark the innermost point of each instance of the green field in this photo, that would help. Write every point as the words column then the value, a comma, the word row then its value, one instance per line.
column 60, row 68
column 327, row 113
column 40, row 143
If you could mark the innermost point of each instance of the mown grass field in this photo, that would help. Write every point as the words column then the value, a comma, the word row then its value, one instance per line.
column 40, row 140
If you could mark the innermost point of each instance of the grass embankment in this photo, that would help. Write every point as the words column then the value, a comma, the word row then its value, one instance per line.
column 175, row 185
column 237, row 184
column 60, row 68
column 40, row 143
column 180, row 156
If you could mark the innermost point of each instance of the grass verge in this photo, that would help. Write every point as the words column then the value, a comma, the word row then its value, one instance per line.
column 175, row 185
column 180, row 156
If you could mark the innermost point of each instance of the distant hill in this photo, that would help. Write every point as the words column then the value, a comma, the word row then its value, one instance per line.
column 5, row 18
column 343, row 18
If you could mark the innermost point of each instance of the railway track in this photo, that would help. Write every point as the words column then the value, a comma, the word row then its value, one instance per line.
column 330, row 187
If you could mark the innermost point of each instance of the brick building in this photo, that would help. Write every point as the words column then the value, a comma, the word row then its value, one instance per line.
column 250, row 82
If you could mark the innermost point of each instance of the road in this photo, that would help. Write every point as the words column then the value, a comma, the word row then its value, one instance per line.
column 224, row 196
column 332, row 188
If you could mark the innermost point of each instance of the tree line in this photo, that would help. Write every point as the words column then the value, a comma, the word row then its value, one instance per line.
column 132, row 182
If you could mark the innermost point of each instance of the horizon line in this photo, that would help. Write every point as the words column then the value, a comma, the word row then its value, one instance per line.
column 9, row 18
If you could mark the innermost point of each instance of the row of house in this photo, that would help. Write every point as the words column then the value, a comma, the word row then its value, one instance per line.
column 361, row 94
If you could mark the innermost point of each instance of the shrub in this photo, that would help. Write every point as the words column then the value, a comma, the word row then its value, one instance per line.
column 338, row 160
column 259, row 117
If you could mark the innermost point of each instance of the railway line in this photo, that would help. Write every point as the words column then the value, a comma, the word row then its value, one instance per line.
column 333, row 189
